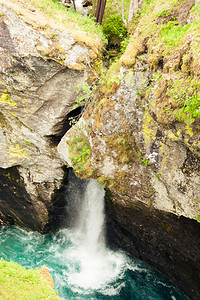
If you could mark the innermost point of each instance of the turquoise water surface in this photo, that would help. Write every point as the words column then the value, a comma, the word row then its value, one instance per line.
column 79, row 275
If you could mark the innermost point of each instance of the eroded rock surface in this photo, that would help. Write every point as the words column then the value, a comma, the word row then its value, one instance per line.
column 41, row 65
column 152, row 177
column 166, row 242
column 135, row 155
column 140, row 139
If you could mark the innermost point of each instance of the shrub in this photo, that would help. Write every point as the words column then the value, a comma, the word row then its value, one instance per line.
column 115, row 28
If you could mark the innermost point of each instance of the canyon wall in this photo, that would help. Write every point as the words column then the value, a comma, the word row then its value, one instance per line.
column 140, row 139
column 138, row 135
column 42, row 63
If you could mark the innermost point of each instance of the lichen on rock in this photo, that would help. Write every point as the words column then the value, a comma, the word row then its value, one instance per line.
column 145, row 116
column 43, row 60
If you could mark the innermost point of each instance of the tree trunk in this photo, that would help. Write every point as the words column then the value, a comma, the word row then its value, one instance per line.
column 134, row 5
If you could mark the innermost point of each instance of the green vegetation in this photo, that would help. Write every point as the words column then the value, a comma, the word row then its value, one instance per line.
column 161, row 26
column 172, row 45
column 143, row 160
column 190, row 109
column 172, row 34
column 198, row 218
column 114, row 26
column 124, row 44
column 115, row 31
column 185, row 97
column 73, row 20
column 84, row 93
column 157, row 23
column 18, row 283
column 79, row 150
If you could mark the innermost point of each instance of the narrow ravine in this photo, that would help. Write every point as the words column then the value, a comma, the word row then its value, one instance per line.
column 81, row 264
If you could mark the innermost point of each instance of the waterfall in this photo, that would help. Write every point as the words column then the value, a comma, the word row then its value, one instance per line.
column 91, row 219
column 92, row 265
column 77, row 258
column 79, row 5
column 90, row 229
column 80, row 8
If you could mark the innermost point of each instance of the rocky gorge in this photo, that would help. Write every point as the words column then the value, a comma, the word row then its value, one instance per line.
column 135, row 135
column 38, row 90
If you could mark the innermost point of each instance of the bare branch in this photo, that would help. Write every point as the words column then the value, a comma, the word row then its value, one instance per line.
column 134, row 6
column 121, row 14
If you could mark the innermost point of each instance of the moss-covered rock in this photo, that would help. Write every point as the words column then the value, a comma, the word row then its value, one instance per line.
column 45, row 54
column 19, row 283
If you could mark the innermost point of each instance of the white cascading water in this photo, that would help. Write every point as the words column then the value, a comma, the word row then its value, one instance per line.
column 98, row 265
column 91, row 222
column 77, row 257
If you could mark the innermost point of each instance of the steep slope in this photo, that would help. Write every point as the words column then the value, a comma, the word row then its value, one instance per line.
column 42, row 62
column 140, row 139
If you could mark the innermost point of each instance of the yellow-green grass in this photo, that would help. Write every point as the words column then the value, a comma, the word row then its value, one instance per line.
column 173, row 50
column 16, row 283
column 69, row 18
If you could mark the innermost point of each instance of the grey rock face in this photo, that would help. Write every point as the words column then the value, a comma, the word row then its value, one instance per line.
column 152, row 177
column 168, row 243
column 37, row 92
column 130, row 148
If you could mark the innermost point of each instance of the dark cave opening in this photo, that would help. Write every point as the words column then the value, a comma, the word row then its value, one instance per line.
column 64, row 125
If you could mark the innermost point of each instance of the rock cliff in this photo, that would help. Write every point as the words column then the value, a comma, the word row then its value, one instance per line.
column 143, row 138
column 42, row 62
column 140, row 139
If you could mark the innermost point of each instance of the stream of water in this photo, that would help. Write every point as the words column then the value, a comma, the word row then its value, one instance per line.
column 79, row 261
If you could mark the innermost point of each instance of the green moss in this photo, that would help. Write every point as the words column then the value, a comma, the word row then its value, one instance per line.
column 18, row 283
column 123, row 145
column 79, row 152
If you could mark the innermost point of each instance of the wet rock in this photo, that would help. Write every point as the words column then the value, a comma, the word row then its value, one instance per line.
column 17, row 206
column 161, row 239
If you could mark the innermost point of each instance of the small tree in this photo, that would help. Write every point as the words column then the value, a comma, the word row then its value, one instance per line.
column 134, row 6
column 100, row 8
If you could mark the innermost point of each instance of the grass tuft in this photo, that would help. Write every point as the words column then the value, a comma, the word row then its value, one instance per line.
column 16, row 282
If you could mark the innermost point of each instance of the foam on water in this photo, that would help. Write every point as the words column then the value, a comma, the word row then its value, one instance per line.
column 116, row 276
column 79, row 261
column 94, row 265
column 96, row 272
